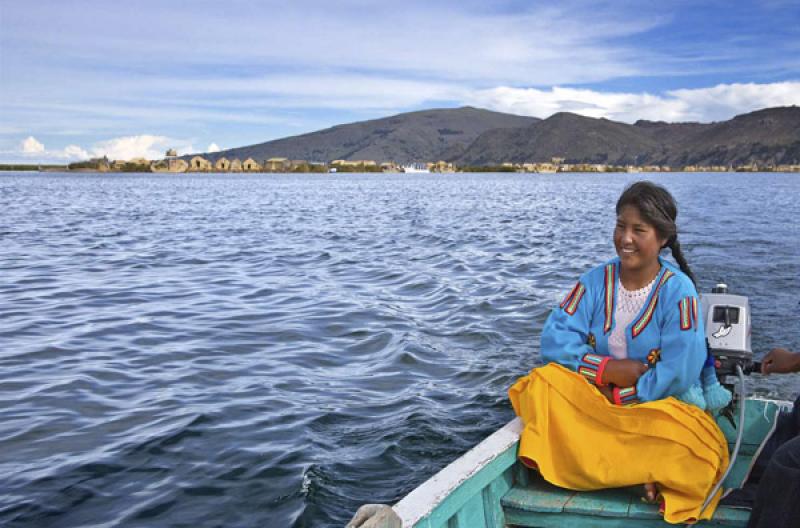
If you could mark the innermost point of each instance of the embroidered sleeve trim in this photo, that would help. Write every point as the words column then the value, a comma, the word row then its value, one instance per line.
column 569, row 296
column 592, row 367
column 686, row 316
column 573, row 300
column 647, row 316
column 625, row 395
column 611, row 283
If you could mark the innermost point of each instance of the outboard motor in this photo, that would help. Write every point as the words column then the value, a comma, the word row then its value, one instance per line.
column 728, row 324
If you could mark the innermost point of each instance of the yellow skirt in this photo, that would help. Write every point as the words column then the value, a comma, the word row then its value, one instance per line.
column 581, row 441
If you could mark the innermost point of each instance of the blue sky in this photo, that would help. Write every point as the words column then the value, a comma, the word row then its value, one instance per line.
column 85, row 78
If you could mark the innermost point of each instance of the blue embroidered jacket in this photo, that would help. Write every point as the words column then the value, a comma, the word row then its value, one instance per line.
column 667, row 334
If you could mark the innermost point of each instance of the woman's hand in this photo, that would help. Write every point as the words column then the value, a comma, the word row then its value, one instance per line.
column 606, row 391
column 623, row 372
column 779, row 361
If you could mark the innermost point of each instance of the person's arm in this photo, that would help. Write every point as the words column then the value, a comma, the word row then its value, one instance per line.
column 565, row 341
column 565, row 336
column 683, row 352
column 780, row 361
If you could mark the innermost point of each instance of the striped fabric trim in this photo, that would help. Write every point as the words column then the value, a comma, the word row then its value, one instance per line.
column 569, row 296
column 592, row 367
column 611, row 284
column 694, row 311
column 589, row 374
column 625, row 395
column 647, row 316
column 685, row 308
column 593, row 359
column 572, row 306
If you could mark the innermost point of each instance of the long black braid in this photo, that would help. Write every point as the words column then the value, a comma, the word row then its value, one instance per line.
column 677, row 254
column 657, row 207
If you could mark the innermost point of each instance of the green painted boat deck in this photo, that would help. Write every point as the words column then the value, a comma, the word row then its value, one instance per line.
column 541, row 504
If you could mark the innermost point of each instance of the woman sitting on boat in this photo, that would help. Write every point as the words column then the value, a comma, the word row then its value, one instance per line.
column 630, row 328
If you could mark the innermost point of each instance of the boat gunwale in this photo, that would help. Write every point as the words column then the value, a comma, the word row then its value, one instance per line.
column 423, row 499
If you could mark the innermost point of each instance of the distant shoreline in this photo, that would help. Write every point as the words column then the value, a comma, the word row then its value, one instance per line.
column 114, row 173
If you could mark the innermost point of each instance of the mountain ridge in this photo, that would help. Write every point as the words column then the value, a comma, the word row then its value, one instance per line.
column 766, row 136
column 470, row 136
column 409, row 137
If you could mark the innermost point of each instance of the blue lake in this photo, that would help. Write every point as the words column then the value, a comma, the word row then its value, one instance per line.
column 275, row 350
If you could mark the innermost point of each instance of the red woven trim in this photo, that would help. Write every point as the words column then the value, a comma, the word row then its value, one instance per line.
column 610, row 284
column 588, row 373
column 592, row 367
column 572, row 307
column 593, row 360
column 600, row 369
column 625, row 395
column 617, row 399
column 639, row 326
column 569, row 296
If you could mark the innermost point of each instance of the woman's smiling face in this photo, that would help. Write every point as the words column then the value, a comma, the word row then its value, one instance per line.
column 637, row 242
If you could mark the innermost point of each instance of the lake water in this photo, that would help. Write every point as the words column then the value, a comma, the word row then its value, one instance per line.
column 275, row 350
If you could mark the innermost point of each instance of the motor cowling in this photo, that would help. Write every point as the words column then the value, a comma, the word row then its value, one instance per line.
column 728, row 328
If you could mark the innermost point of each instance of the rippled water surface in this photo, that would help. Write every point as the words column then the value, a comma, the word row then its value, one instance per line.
column 273, row 351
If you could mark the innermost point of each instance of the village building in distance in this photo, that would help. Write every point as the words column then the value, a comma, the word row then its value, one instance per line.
column 174, row 164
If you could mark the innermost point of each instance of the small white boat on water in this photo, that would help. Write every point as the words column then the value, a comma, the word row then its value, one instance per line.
column 416, row 168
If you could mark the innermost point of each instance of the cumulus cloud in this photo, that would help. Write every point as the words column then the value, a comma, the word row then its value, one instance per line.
column 73, row 152
column 249, row 83
column 121, row 148
column 143, row 146
column 715, row 103
column 719, row 101
column 31, row 146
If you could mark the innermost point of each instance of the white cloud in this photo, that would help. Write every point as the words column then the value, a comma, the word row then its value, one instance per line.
column 143, row 146
column 561, row 43
column 716, row 103
column 301, row 90
column 365, row 60
column 31, row 146
column 122, row 148
column 383, row 96
column 73, row 152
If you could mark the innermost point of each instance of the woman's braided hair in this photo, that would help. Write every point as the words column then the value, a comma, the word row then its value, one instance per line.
column 657, row 206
